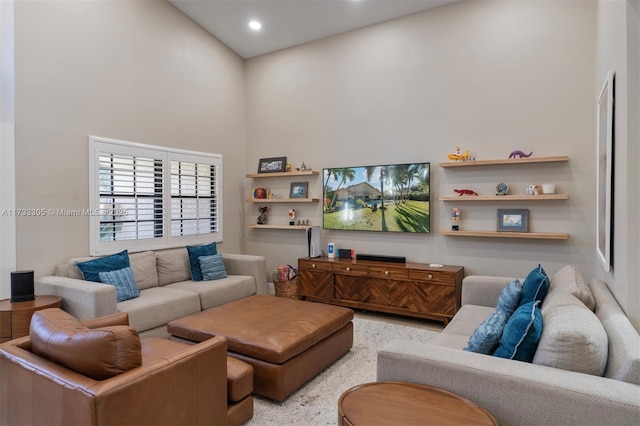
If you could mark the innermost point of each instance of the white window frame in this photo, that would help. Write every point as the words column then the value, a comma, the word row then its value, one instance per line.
column 99, row 145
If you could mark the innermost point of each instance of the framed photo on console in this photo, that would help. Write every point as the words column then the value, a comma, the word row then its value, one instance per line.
column 298, row 190
column 513, row 220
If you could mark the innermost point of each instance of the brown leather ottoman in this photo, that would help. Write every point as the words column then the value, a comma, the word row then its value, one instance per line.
column 287, row 341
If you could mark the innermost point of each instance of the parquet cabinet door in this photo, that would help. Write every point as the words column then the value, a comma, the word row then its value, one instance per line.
column 388, row 292
column 432, row 298
column 352, row 287
column 312, row 283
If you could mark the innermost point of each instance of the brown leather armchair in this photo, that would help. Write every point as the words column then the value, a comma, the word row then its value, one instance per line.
column 167, row 383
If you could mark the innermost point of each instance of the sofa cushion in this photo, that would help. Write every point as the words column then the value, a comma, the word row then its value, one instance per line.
column 214, row 293
column 98, row 353
column 144, row 269
column 123, row 281
column 194, row 254
column 572, row 338
column 486, row 337
column 569, row 280
column 212, row 267
column 467, row 319
column 450, row 340
column 156, row 306
column 509, row 298
column 172, row 266
column 92, row 268
column 74, row 271
column 623, row 361
column 535, row 286
column 521, row 334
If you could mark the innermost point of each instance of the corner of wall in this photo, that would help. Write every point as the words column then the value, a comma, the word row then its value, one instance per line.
column 7, row 147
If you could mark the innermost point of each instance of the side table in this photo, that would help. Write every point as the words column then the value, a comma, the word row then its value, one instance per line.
column 386, row 403
column 15, row 317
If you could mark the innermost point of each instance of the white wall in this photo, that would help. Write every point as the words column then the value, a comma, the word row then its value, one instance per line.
column 616, row 50
column 486, row 76
column 133, row 70
column 7, row 148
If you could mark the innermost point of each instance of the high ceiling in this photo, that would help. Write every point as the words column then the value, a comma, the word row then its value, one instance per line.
column 287, row 23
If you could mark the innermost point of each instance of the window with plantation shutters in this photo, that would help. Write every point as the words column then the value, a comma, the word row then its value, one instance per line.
column 145, row 197
column 131, row 189
column 193, row 198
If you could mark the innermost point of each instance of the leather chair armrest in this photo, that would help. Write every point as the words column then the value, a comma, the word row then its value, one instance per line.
column 121, row 318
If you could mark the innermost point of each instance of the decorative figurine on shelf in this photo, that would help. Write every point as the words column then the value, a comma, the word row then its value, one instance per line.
column 455, row 219
column 292, row 217
column 303, row 167
column 519, row 154
column 462, row 192
column 262, row 219
column 459, row 155
column 288, row 167
column 502, row 188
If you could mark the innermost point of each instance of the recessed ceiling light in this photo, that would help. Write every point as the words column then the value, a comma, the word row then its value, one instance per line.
column 255, row 25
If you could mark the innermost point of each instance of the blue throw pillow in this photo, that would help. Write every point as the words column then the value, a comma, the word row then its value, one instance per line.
column 509, row 298
column 212, row 267
column 194, row 253
column 521, row 334
column 123, row 281
column 486, row 337
column 92, row 268
column 535, row 286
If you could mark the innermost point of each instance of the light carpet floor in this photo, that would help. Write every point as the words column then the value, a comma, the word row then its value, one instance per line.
column 316, row 403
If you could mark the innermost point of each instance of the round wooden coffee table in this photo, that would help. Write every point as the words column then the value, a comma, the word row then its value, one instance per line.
column 385, row 403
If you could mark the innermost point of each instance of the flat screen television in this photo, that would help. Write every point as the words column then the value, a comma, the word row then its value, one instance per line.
column 383, row 198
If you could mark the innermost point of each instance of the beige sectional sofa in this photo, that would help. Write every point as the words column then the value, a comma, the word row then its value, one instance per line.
column 166, row 289
column 585, row 371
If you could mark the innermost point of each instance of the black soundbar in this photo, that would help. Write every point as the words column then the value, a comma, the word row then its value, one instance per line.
column 381, row 258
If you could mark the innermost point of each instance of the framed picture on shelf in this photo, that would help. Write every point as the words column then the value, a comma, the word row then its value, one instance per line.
column 272, row 165
column 513, row 220
column 604, row 166
column 298, row 190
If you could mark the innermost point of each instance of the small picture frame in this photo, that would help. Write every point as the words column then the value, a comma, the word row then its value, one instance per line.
column 298, row 190
column 272, row 165
column 513, row 220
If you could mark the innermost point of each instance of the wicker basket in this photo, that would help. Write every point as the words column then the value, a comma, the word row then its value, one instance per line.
column 288, row 289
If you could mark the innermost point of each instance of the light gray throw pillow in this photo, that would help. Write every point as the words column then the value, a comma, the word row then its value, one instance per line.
column 572, row 337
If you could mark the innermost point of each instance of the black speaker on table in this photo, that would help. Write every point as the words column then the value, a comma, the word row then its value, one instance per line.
column 22, row 286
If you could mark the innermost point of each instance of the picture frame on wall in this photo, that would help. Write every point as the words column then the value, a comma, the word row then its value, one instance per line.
column 604, row 167
column 513, row 220
column 298, row 190
column 272, row 165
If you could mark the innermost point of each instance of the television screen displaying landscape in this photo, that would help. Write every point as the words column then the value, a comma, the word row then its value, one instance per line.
column 384, row 198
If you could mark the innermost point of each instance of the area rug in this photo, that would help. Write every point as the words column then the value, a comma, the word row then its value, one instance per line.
column 316, row 403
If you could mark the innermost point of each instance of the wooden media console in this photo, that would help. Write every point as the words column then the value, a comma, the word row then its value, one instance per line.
column 411, row 289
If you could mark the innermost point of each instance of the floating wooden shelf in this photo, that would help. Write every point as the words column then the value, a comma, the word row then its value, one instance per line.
column 282, row 174
column 543, row 197
column 556, row 159
column 495, row 234
column 282, row 200
column 278, row 226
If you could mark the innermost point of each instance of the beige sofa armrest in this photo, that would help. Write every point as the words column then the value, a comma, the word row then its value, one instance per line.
column 246, row 264
column 482, row 290
column 83, row 299
column 513, row 392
